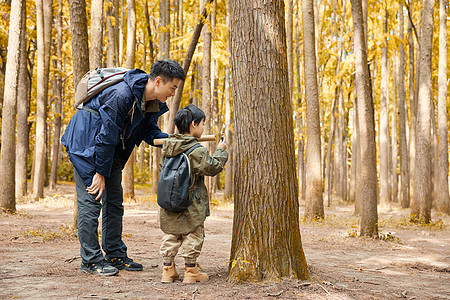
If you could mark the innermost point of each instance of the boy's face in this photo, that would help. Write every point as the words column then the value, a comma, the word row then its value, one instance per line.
column 162, row 91
column 196, row 130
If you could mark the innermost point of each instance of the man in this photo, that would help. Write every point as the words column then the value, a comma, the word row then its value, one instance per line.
column 99, row 141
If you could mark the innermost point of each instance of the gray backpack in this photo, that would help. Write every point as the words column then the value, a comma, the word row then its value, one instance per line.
column 95, row 81
column 174, row 182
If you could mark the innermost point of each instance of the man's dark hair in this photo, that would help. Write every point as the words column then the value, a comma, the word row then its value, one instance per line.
column 167, row 69
column 186, row 115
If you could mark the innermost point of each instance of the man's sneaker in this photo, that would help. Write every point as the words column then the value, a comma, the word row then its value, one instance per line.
column 100, row 268
column 124, row 263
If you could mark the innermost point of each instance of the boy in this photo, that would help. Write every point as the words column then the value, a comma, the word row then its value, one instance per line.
column 186, row 229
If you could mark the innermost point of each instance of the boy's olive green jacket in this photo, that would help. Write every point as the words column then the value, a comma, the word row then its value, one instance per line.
column 201, row 165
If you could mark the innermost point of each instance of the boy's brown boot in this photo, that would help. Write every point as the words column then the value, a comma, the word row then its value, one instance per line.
column 169, row 274
column 193, row 274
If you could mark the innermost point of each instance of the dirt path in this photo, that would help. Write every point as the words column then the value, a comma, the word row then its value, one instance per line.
column 40, row 258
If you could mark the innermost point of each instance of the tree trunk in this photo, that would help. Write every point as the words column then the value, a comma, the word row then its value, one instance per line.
column 214, row 116
column 43, row 43
column 122, row 18
column 23, row 110
column 368, row 186
column 266, row 242
column 384, row 123
column 403, row 122
column 443, row 199
column 164, row 23
column 150, row 36
column 394, row 178
column 329, row 164
column 8, row 149
column 289, row 42
column 111, row 57
column 58, row 102
column 80, row 55
column 422, row 180
column 313, row 197
column 96, row 47
column 128, row 171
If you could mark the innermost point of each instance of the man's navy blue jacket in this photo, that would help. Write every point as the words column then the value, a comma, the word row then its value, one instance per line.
column 91, row 140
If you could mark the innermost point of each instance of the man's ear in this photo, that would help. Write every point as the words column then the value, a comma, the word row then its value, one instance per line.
column 158, row 80
column 193, row 124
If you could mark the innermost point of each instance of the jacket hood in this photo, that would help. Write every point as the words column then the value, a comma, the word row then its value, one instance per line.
column 136, row 79
column 177, row 143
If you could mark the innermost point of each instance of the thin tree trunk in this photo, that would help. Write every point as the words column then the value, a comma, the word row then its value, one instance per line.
column 412, row 105
column 8, row 149
column 111, row 56
column 121, row 25
column 150, row 36
column 214, row 119
column 394, row 150
column 266, row 242
column 96, row 47
column 384, row 123
column 128, row 170
column 422, row 181
column 403, row 122
column 329, row 168
column 43, row 42
column 23, row 110
column 58, row 102
column 314, row 201
column 368, row 180
column 443, row 199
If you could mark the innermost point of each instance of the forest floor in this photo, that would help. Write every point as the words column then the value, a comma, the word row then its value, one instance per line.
column 39, row 255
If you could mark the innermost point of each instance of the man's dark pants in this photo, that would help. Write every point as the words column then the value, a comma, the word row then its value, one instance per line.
column 111, row 206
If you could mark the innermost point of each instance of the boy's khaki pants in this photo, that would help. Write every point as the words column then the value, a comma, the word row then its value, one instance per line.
column 191, row 245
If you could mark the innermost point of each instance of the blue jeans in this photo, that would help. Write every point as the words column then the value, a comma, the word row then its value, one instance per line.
column 111, row 206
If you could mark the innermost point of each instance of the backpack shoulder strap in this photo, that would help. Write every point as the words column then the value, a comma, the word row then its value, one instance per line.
column 188, row 151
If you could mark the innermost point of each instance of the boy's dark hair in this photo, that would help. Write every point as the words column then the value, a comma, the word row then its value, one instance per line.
column 167, row 69
column 186, row 115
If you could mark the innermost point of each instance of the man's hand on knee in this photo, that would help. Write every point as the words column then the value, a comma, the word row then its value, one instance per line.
column 97, row 186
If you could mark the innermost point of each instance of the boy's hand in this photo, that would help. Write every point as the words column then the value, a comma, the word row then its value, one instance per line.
column 222, row 145
column 97, row 186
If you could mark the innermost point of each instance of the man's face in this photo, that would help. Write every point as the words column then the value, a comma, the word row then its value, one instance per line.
column 165, row 90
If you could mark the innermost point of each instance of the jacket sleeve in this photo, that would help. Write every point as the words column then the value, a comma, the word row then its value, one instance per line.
column 154, row 133
column 113, row 118
column 205, row 165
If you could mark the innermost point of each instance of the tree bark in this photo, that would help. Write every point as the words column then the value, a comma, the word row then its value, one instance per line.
column 44, row 14
column 122, row 18
column 80, row 55
column 403, row 122
column 394, row 151
column 266, row 242
column 329, row 166
column 7, row 153
column 443, row 199
column 23, row 110
column 422, row 181
column 111, row 21
column 368, row 186
column 384, row 123
column 128, row 170
column 96, row 47
column 58, row 102
column 314, row 201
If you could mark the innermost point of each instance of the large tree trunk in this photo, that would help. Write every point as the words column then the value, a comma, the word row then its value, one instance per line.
column 80, row 55
column 58, row 102
column 368, row 180
column 266, row 242
column 384, row 123
column 128, row 170
column 23, row 110
column 96, row 48
column 443, row 201
column 403, row 122
column 44, row 16
column 422, row 181
column 8, row 149
column 314, row 203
